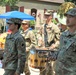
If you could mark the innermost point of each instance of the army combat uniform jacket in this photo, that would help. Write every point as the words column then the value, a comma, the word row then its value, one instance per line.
column 14, row 53
column 29, row 38
column 53, row 34
column 66, row 60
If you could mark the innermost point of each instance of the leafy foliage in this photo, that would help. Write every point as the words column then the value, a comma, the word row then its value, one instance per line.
column 32, row 23
column 64, row 7
column 9, row 2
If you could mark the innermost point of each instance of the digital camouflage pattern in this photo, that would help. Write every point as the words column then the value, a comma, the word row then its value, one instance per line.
column 30, row 41
column 14, row 53
column 66, row 60
column 30, row 38
column 9, row 72
column 53, row 34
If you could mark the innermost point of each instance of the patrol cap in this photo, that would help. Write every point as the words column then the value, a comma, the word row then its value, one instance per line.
column 25, row 21
column 48, row 12
column 14, row 20
column 71, row 12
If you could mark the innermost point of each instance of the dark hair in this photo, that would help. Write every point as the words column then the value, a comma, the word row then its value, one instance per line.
column 19, row 25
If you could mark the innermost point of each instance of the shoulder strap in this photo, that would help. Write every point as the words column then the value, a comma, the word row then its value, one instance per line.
column 45, row 36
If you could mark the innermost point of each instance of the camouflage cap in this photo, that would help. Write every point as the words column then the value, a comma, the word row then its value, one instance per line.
column 48, row 12
column 14, row 20
column 71, row 12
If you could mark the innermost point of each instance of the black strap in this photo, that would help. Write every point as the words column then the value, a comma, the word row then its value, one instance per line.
column 45, row 36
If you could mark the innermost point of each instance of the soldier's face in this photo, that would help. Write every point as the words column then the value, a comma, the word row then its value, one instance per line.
column 24, row 26
column 11, row 26
column 71, row 21
column 48, row 17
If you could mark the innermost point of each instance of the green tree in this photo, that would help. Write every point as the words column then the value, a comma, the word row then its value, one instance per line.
column 8, row 2
column 11, row 3
column 74, row 1
column 64, row 7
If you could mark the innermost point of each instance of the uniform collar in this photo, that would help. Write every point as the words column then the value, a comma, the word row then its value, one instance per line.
column 12, row 35
column 69, row 33
column 26, row 30
column 50, row 24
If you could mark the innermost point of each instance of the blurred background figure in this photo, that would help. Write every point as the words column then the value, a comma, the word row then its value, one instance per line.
column 49, row 36
column 13, row 64
column 30, row 41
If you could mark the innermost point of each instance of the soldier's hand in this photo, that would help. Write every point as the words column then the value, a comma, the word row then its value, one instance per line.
column 16, row 73
column 52, row 47
column 44, row 48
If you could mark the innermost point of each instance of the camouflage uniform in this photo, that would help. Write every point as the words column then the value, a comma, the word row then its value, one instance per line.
column 66, row 60
column 30, row 42
column 53, row 33
column 65, row 64
column 40, row 42
column 14, row 54
column 30, row 38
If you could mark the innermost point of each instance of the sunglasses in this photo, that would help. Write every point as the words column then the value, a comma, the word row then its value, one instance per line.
column 24, row 24
column 9, row 23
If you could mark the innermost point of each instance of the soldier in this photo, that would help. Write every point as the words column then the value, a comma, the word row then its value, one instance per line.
column 14, row 53
column 50, row 35
column 30, row 41
column 66, row 57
